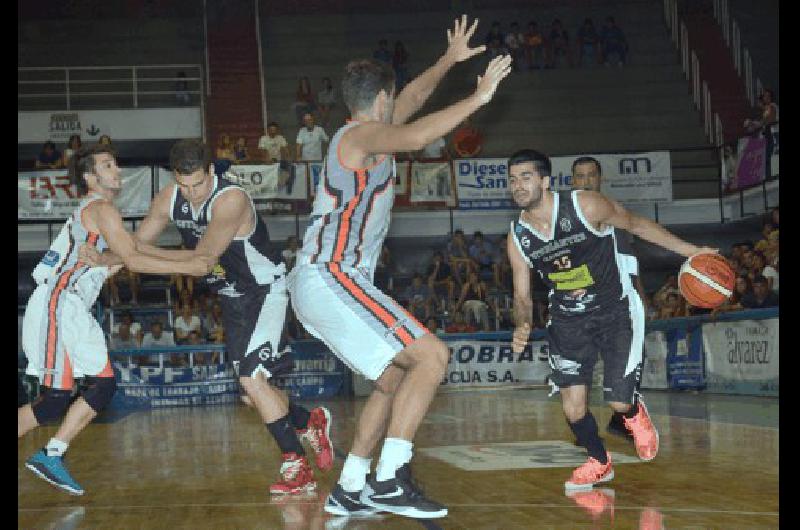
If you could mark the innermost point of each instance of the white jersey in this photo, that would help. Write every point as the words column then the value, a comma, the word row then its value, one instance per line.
column 352, row 211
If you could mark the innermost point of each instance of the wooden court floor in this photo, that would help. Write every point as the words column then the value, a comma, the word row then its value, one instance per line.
column 497, row 459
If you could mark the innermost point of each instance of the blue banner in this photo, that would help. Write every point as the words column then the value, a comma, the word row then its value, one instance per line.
column 154, row 387
column 317, row 372
column 685, row 358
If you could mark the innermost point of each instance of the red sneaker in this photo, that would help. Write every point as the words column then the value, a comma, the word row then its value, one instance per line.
column 651, row 519
column 595, row 501
column 318, row 436
column 645, row 435
column 590, row 473
column 296, row 476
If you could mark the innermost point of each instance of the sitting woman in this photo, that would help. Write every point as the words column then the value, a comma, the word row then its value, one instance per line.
column 474, row 300
column 225, row 156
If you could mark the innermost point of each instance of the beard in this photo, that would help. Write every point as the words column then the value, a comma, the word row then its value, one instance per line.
column 530, row 201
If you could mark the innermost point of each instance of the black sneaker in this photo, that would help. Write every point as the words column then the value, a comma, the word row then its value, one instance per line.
column 341, row 502
column 401, row 496
column 616, row 426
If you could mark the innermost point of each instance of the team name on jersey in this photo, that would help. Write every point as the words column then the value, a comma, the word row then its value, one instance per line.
column 198, row 230
column 553, row 246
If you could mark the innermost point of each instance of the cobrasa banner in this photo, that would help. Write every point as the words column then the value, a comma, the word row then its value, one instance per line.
column 49, row 195
column 487, row 363
column 742, row 356
column 482, row 183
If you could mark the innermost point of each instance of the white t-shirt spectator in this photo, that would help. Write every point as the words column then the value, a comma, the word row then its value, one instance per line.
column 166, row 339
column 136, row 328
column 273, row 145
column 311, row 142
column 434, row 149
column 770, row 272
column 513, row 41
column 187, row 327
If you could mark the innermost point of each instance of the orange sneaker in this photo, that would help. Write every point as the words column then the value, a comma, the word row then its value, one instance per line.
column 595, row 501
column 651, row 519
column 590, row 473
column 296, row 476
column 318, row 436
column 645, row 435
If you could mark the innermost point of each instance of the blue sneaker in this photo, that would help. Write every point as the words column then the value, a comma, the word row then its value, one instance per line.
column 51, row 468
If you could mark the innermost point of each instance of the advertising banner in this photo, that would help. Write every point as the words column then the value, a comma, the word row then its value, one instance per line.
column 685, row 358
column 317, row 372
column 750, row 164
column 430, row 182
column 492, row 363
column 742, row 356
column 654, row 371
column 269, row 181
column 49, row 195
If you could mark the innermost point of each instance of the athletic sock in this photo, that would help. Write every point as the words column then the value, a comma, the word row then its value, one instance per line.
column 395, row 453
column 585, row 430
column 284, row 435
column 354, row 473
column 56, row 447
column 298, row 416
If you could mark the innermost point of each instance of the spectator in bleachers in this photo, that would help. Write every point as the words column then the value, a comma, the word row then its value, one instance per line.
column 383, row 277
column 273, row 145
column 764, row 126
column 460, row 325
column 225, row 156
column 400, row 66
column 304, row 100
column 240, row 154
column 420, row 298
column 514, row 41
column 669, row 287
column 535, row 47
column 133, row 285
column 213, row 325
column 458, row 256
column 734, row 303
column 673, row 307
column 310, row 138
column 186, row 322
column 432, row 325
column 474, row 300
column 613, row 43
column 650, row 309
column 588, row 43
column 559, row 43
column 382, row 53
column 290, row 252
column 135, row 328
column 49, row 157
column 104, row 140
column 326, row 99
column 761, row 296
column 182, row 96
column 73, row 144
column 494, row 34
column 157, row 336
column 502, row 267
column 775, row 218
column 441, row 274
column 482, row 253
column 467, row 139
column 124, row 339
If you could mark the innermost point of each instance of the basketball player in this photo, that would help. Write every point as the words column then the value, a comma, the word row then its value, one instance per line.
column 332, row 284
column 569, row 238
column 218, row 218
column 61, row 338
column 587, row 175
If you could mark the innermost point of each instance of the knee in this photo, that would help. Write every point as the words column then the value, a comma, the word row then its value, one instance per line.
column 100, row 392
column 574, row 411
column 50, row 405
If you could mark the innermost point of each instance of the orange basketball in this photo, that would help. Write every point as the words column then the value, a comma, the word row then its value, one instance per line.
column 706, row 280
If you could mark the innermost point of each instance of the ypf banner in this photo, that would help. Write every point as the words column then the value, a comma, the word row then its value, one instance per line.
column 49, row 195
column 478, row 363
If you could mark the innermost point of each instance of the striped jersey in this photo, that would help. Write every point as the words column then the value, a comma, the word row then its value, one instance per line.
column 352, row 211
column 60, row 268
column 581, row 267
column 246, row 262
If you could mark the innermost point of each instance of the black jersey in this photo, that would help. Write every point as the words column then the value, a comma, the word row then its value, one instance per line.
column 580, row 266
column 246, row 262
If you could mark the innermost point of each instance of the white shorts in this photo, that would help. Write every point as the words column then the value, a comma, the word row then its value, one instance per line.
column 361, row 325
column 62, row 340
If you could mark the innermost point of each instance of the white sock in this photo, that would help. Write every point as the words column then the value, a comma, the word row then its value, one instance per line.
column 56, row 447
column 396, row 452
column 354, row 473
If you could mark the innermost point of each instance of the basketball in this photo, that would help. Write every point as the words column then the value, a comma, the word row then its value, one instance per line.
column 706, row 280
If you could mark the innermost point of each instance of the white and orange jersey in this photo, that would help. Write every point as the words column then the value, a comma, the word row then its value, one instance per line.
column 352, row 211
column 60, row 267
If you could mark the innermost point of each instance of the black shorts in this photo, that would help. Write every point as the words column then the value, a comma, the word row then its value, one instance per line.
column 253, row 323
column 616, row 333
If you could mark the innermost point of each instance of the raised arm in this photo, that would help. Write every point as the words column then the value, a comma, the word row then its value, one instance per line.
column 417, row 92
column 601, row 211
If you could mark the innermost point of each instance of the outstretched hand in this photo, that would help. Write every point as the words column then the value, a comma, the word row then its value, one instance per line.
column 498, row 69
column 89, row 255
column 458, row 40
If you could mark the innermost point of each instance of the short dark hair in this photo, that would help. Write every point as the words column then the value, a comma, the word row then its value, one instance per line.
column 458, row 231
column 363, row 79
column 540, row 161
column 187, row 156
column 272, row 124
column 587, row 160
column 760, row 279
column 49, row 144
column 477, row 233
column 82, row 162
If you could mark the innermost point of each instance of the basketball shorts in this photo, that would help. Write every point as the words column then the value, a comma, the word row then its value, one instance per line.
column 62, row 340
column 361, row 325
column 616, row 333
column 253, row 322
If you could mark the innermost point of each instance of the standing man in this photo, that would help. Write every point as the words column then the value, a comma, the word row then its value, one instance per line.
column 219, row 219
column 587, row 175
column 569, row 238
column 309, row 140
column 331, row 285
column 61, row 338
